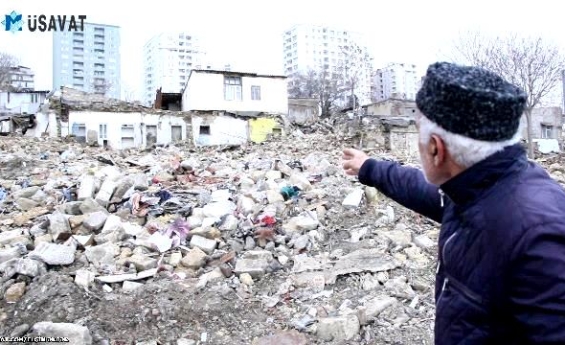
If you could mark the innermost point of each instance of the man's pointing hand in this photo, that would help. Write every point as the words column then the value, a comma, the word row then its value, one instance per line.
column 353, row 160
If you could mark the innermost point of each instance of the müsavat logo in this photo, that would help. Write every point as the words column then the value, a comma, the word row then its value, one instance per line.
column 14, row 22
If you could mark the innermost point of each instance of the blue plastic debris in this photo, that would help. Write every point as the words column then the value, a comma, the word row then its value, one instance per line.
column 3, row 194
column 289, row 192
column 67, row 194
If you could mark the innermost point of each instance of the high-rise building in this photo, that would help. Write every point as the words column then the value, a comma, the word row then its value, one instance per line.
column 168, row 59
column 318, row 48
column 397, row 80
column 88, row 60
column 21, row 78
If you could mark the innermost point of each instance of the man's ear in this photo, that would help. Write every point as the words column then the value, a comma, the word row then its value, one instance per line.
column 438, row 152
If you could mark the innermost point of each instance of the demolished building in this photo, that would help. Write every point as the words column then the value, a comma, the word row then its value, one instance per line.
column 98, row 120
column 234, row 107
column 395, row 134
column 234, row 128
column 95, row 119
column 392, row 107
column 18, row 110
column 303, row 111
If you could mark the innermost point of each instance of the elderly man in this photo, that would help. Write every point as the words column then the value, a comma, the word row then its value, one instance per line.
column 501, row 272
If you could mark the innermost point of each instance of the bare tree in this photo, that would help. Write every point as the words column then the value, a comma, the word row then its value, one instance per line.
column 531, row 63
column 316, row 84
column 353, row 68
column 7, row 62
column 303, row 85
column 340, row 86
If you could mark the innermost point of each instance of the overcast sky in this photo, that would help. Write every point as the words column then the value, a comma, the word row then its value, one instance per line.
column 248, row 33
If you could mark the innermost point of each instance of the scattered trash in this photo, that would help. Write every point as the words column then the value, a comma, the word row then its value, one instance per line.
column 290, row 192
column 120, row 244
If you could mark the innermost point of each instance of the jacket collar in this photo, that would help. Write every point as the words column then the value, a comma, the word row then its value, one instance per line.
column 469, row 184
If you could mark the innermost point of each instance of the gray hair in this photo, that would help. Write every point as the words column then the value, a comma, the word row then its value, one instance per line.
column 465, row 151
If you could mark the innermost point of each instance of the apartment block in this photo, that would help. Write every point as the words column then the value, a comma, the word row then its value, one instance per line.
column 22, row 78
column 168, row 59
column 319, row 48
column 396, row 80
column 88, row 61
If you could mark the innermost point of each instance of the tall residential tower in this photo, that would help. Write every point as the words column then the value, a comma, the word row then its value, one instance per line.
column 88, row 60
column 168, row 59
column 318, row 48
column 396, row 80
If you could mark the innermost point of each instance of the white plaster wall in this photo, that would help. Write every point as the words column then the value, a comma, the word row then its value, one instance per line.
column 205, row 91
column 114, row 122
column 43, row 123
column 22, row 102
column 224, row 130
column 5, row 126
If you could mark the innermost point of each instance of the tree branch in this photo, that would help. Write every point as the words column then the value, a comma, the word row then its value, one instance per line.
column 530, row 63
column 7, row 62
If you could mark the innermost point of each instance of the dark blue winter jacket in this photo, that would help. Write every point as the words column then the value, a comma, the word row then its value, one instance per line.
column 501, row 272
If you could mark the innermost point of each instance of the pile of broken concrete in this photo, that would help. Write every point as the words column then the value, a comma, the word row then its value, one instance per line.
column 160, row 246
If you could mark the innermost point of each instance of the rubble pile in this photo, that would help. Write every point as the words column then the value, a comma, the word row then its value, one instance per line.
column 261, row 244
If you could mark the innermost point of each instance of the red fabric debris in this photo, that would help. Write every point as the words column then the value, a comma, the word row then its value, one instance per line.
column 268, row 220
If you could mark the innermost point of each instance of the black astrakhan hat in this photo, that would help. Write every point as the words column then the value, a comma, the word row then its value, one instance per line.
column 471, row 101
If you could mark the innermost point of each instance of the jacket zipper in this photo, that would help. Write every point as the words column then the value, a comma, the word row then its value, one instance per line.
column 465, row 291
column 443, row 286
column 441, row 204
column 448, row 280
column 442, row 259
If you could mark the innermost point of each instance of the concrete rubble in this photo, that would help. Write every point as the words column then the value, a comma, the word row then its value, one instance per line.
column 261, row 244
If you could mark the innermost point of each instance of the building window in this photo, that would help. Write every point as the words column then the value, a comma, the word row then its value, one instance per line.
column 255, row 93
column 546, row 132
column 204, row 130
column 103, row 133
column 176, row 133
column 232, row 88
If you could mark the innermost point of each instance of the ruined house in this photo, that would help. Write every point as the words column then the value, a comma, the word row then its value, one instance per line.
column 231, row 108
column 392, row 107
column 395, row 134
column 99, row 120
column 303, row 111
column 168, row 101
column 547, row 124
column 18, row 109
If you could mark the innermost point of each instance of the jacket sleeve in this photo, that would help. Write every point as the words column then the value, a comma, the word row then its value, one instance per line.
column 405, row 185
column 538, row 285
